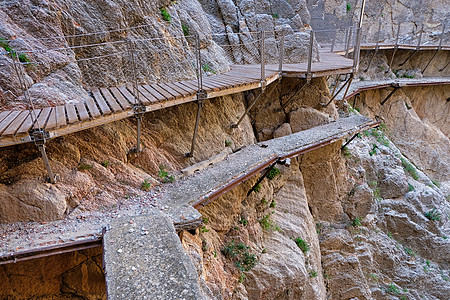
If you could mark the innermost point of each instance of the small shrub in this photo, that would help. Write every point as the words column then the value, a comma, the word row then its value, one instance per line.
column 373, row 276
column 203, row 229
column 410, row 187
column 349, row 7
column 164, row 175
column 433, row 215
column 244, row 260
column 436, row 183
column 275, row 16
column 264, row 250
column 346, row 152
column 145, row 186
column 257, row 188
column 264, row 201
column 268, row 224
column 241, row 277
column 272, row 204
column 186, row 30
column 356, row 222
column 243, row 221
column 207, row 68
column 374, row 150
column 393, row 289
column 106, row 163
column 313, row 273
column 409, row 251
column 273, row 173
column 302, row 245
column 362, row 78
column 390, row 235
column 228, row 143
column 410, row 169
column 205, row 220
column 83, row 167
column 165, row 15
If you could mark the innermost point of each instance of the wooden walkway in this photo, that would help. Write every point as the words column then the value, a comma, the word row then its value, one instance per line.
column 115, row 103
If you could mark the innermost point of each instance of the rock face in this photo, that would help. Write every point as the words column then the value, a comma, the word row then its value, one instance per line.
column 65, row 276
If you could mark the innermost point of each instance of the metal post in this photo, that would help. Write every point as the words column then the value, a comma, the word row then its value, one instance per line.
column 310, row 54
column 347, row 50
column 336, row 84
column 280, row 66
column 46, row 163
column 376, row 46
column 130, row 46
column 356, row 51
column 333, row 42
column 348, row 85
column 417, row 48
column 194, row 138
column 342, row 87
column 263, row 67
column 395, row 47
column 138, row 140
column 438, row 49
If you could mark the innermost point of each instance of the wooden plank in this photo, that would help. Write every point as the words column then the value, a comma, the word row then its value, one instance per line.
column 142, row 98
column 60, row 116
column 188, row 90
column 230, row 81
column 126, row 93
column 172, row 90
column 51, row 123
column 4, row 114
column 154, row 92
column 100, row 101
column 8, row 120
column 82, row 111
column 147, row 95
column 190, row 84
column 26, row 125
column 110, row 99
column 15, row 125
column 71, row 113
column 162, row 91
column 92, row 105
column 120, row 98
column 42, row 119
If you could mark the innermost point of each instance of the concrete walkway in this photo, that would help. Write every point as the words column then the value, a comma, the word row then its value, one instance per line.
column 144, row 259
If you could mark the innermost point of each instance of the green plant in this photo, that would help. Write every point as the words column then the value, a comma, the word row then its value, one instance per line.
column 83, row 167
column 186, row 30
column 410, row 169
column 374, row 150
column 349, row 7
column 228, row 143
column 362, row 78
column 165, row 14
column 356, row 222
column 409, row 251
column 406, row 75
column 145, row 186
column 393, row 289
column 164, row 175
column 257, row 188
column 373, row 276
column 390, row 235
column 244, row 260
column 203, row 229
column 427, row 262
column 302, row 245
column 275, row 16
column 264, row 250
column 319, row 227
column 264, row 201
column 205, row 220
column 207, row 68
column 22, row 57
column 436, row 183
column 410, row 187
column 383, row 141
column 215, row 253
column 272, row 204
column 408, row 106
column 268, row 224
column 273, row 173
column 241, row 277
column 346, row 152
column 433, row 215
column 243, row 221
column 313, row 273
column 106, row 163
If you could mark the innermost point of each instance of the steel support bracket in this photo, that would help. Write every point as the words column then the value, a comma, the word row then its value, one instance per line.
column 39, row 137
column 201, row 96
column 396, row 87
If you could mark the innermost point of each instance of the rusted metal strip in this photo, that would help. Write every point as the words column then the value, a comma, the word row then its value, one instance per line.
column 50, row 250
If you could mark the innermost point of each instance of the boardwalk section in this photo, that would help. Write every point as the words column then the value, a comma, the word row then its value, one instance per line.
column 144, row 259
column 115, row 103
column 366, row 85
column 23, row 241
